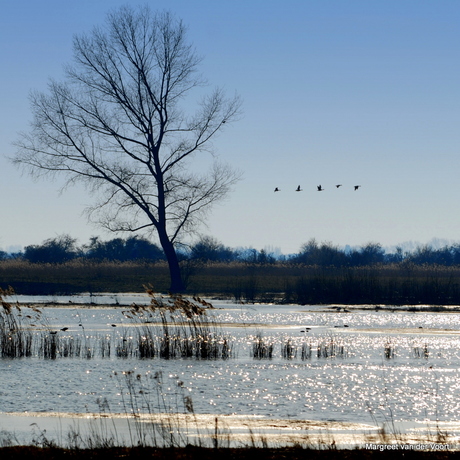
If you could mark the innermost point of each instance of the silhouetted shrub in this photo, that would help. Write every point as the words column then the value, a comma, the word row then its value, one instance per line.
column 55, row 251
column 324, row 255
column 133, row 248
column 210, row 249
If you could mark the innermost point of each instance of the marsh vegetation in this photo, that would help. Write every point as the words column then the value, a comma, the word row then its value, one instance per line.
column 167, row 328
column 394, row 284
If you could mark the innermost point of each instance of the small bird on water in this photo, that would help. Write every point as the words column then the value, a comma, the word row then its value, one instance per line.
column 277, row 189
column 357, row 187
column 320, row 189
column 298, row 189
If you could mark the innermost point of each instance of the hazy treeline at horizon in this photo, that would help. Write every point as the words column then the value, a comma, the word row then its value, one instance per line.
column 208, row 249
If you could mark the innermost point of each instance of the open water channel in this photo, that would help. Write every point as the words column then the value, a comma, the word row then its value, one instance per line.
column 396, row 369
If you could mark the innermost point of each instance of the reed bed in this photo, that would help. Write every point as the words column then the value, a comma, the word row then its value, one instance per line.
column 419, row 351
column 261, row 349
column 81, row 275
column 389, row 351
column 16, row 339
column 324, row 348
column 387, row 284
column 288, row 350
column 52, row 346
column 306, row 351
column 170, row 327
column 177, row 327
column 330, row 348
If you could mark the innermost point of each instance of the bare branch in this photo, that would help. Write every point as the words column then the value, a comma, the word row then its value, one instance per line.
column 116, row 125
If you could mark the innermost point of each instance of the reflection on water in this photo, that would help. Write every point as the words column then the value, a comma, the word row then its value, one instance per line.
column 419, row 379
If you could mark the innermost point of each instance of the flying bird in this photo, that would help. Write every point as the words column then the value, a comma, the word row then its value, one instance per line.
column 276, row 189
column 357, row 187
column 298, row 189
column 320, row 189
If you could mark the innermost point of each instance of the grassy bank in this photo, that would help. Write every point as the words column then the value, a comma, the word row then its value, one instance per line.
column 395, row 284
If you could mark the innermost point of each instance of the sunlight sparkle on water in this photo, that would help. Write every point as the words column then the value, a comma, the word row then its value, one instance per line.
column 383, row 364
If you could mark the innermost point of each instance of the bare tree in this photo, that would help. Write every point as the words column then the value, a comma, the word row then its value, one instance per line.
column 116, row 124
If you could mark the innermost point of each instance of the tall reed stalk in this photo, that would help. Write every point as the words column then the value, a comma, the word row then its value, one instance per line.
column 261, row 349
column 177, row 327
column 16, row 339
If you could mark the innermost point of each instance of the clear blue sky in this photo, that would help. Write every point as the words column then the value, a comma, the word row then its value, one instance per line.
column 351, row 92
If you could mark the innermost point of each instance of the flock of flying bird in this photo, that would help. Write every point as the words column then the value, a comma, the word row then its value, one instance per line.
column 319, row 188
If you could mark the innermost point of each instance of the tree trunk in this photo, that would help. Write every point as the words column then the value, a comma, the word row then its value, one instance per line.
column 177, row 285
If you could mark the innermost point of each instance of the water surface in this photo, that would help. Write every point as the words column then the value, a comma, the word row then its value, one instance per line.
column 389, row 366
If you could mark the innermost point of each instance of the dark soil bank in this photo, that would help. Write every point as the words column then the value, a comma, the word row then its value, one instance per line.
column 197, row 453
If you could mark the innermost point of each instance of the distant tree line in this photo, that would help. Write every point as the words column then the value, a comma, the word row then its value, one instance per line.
column 64, row 248
column 326, row 254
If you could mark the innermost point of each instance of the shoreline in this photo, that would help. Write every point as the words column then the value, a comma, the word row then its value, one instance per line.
column 232, row 431
column 142, row 299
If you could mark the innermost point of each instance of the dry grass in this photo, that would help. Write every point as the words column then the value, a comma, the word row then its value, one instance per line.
column 396, row 284
column 82, row 276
